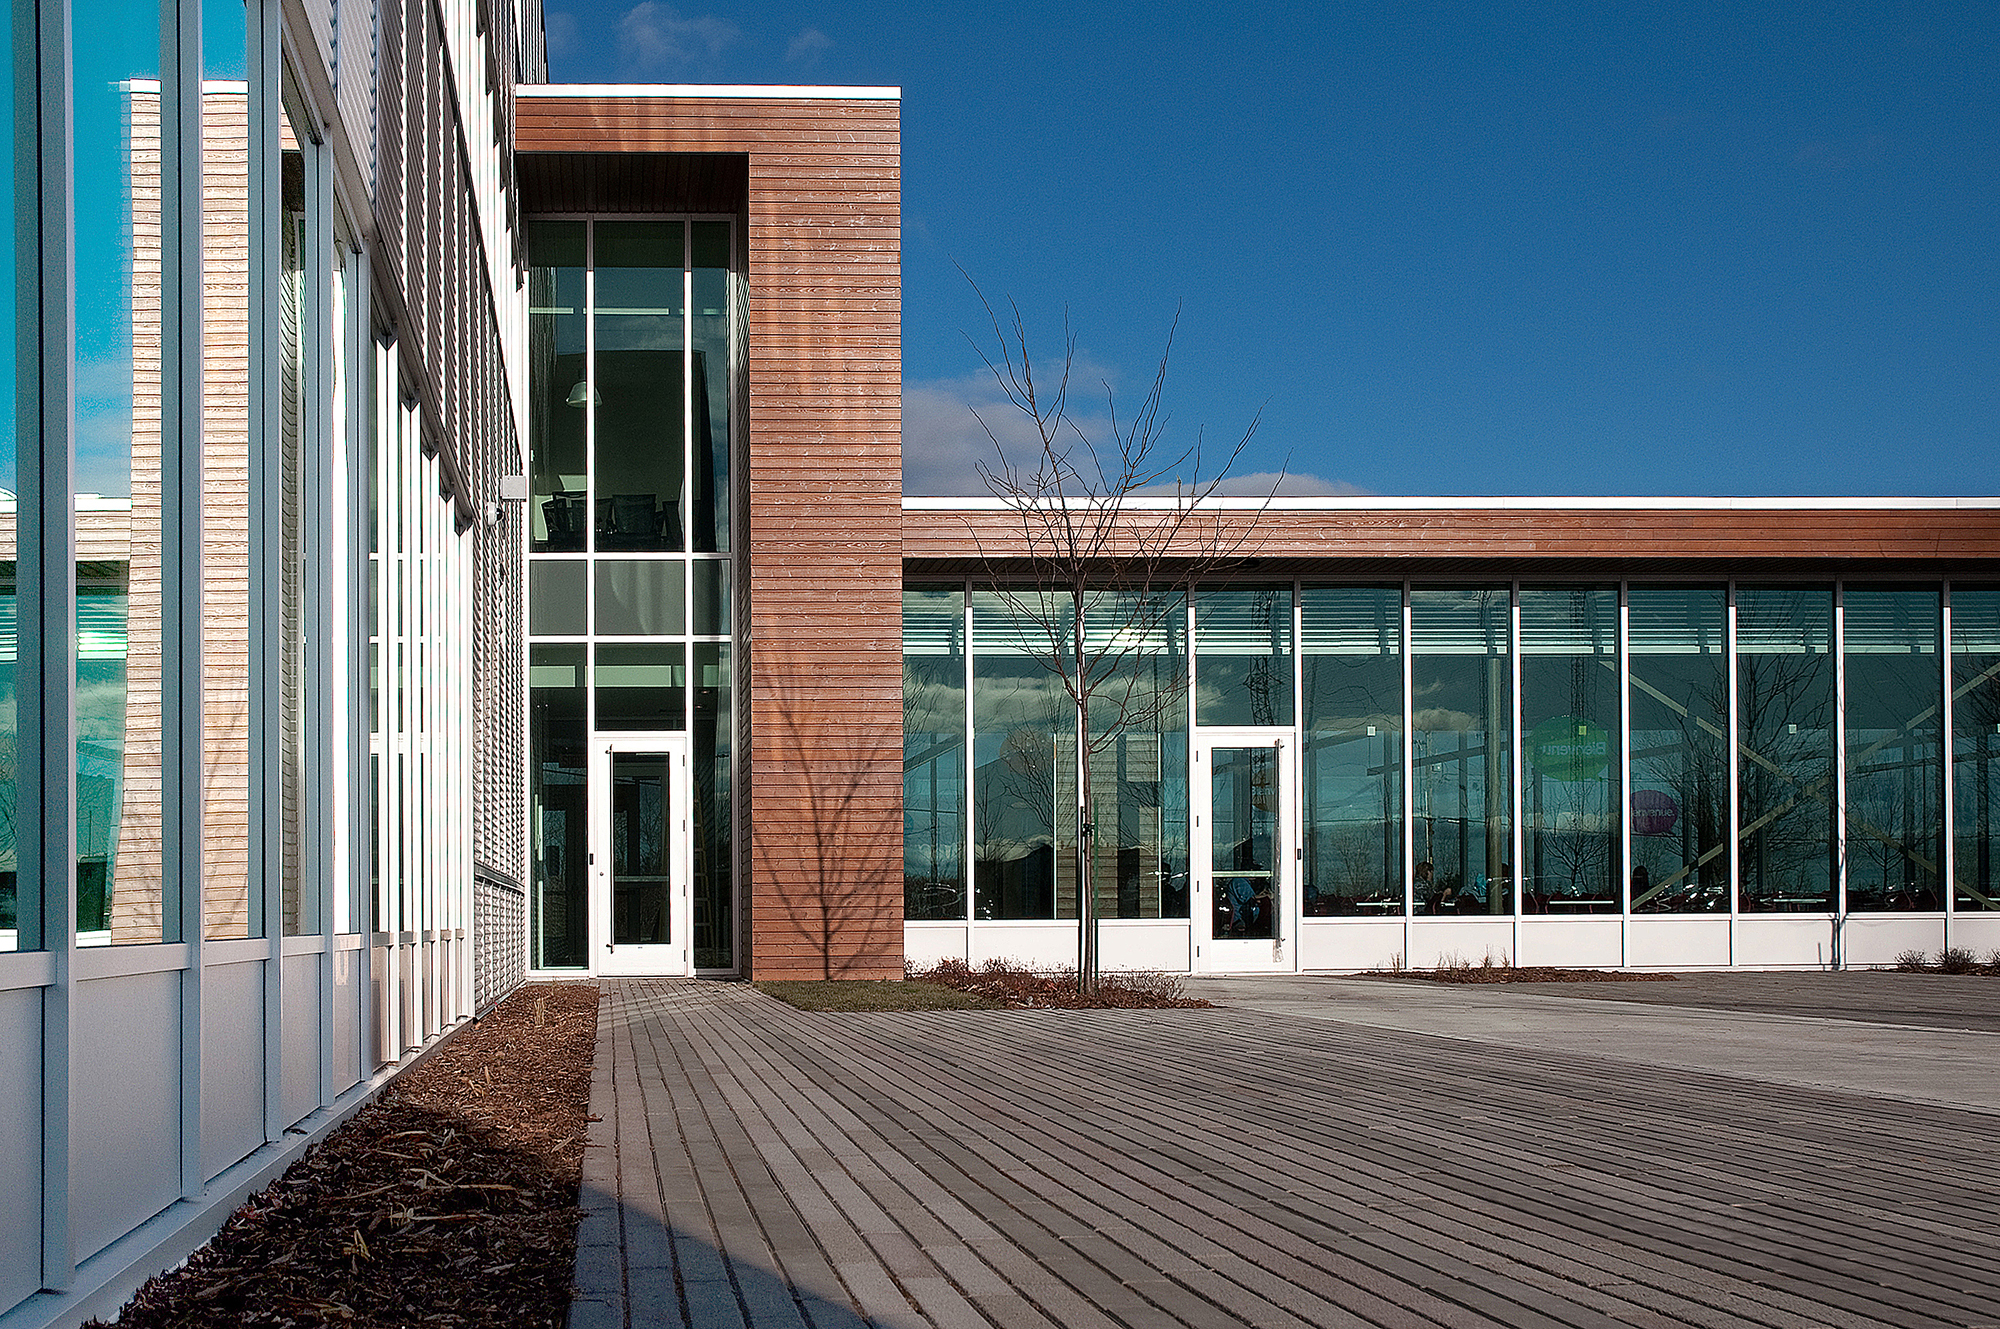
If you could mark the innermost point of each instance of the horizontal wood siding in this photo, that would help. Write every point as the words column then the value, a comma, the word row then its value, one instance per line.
column 1298, row 542
column 823, row 662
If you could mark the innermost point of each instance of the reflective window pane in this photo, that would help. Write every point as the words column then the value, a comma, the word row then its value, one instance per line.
column 16, row 932
column 558, row 826
column 1570, row 759
column 641, row 686
column 1785, row 765
column 641, row 597
column 714, row 839
column 934, row 661
column 1461, row 731
column 1352, row 704
column 1243, row 842
column 637, row 403
column 1138, row 756
column 559, row 390
column 1895, row 747
column 1975, row 745
column 1024, row 761
column 1243, row 661
column 299, row 897
column 116, row 176
column 711, row 598
column 558, row 599
column 1679, row 807
column 641, row 796
column 713, row 337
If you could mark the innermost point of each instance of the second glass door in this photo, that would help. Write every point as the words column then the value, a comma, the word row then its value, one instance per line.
column 1246, row 878
column 639, row 876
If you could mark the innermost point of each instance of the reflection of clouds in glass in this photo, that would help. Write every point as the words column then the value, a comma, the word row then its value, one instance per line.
column 1440, row 719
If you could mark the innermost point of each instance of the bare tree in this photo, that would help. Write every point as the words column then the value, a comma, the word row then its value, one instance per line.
column 1107, row 524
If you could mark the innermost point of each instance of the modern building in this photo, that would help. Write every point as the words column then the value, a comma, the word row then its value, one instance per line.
column 453, row 532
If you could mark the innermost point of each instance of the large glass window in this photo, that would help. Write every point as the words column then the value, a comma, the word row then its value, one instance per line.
column 711, row 336
column 1975, row 745
column 1243, row 656
column 1352, row 642
column 934, row 660
column 15, row 931
column 1570, row 750
column 1461, row 708
column 559, row 385
column 558, row 812
column 714, row 842
column 1024, row 759
column 637, row 408
column 1679, row 807
column 1138, row 755
column 1785, row 762
column 116, row 174
column 1895, row 747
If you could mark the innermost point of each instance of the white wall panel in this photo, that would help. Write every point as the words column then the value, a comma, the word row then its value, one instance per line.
column 1469, row 939
column 1772, row 941
column 1871, row 940
column 232, row 1053
column 1143, row 944
column 126, row 1039
column 1576, row 943
column 1679, row 943
column 20, row 1143
column 1358, row 943
column 1978, row 933
column 1038, row 945
column 300, row 1094
column 927, row 943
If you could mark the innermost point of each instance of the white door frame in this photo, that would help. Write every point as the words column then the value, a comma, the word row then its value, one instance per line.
column 673, row 959
column 1280, row 953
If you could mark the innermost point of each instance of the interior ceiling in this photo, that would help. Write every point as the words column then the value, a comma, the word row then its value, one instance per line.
column 649, row 182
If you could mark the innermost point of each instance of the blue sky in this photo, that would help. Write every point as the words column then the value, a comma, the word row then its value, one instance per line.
column 1446, row 248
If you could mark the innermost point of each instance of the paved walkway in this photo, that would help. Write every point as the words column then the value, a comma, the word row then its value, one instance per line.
column 1315, row 1152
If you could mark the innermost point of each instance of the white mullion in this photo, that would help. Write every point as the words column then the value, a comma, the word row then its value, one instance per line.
column 1517, row 879
column 1624, row 800
column 1409, row 779
column 966, row 864
column 1734, row 727
column 1948, row 853
column 1838, row 645
column 1293, row 821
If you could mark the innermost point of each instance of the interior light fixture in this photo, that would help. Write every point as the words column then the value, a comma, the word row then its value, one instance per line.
column 581, row 393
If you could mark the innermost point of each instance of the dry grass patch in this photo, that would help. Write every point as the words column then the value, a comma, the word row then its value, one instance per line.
column 863, row 994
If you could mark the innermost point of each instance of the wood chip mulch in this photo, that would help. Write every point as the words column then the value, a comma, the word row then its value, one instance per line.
column 450, row 1200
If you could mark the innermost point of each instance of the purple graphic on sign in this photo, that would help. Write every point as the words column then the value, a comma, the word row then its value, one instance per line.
column 1654, row 812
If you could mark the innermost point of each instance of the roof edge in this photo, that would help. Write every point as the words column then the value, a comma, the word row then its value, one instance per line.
column 1381, row 502
column 789, row 92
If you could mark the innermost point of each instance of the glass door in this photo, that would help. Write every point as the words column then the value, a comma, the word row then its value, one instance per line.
column 1245, row 859
column 638, row 855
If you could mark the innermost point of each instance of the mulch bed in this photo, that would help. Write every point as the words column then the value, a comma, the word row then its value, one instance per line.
column 450, row 1200
column 1012, row 985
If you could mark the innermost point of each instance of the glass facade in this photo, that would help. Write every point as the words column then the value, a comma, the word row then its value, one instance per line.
column 1583, row 731
column 632, row 334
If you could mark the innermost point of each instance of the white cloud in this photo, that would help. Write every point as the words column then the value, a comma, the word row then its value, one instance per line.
column 808, row 47
column 943, row 439
column 653, row 36
column 560, row 34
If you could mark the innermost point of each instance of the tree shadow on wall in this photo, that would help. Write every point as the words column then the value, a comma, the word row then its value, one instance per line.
column 828, row 849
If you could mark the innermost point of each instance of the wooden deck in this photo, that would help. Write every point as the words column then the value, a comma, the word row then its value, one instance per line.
column 1278, row 1161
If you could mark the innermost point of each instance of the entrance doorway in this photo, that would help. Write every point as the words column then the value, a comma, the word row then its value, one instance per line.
column 640, row 899
column 1245, row 861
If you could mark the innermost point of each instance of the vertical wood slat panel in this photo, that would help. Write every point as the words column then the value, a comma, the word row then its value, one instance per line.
column 825, row 773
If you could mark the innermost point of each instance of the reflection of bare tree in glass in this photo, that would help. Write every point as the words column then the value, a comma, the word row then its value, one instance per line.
column 1091, row 569
column 1976, row 778
column 934, row 759
column 1787, row 775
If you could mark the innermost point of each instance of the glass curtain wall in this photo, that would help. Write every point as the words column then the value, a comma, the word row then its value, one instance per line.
column 934, row 665
column 1461, row 729
column 1351, row 705
column 1785, row 770
column 1570, row 759
column 1024, row 757
column 1975, row 745
column 1679, row 806
column 1138, row 755
column 1890, row 639
column 14, row 935
column 1243, row 661
column 632, row 333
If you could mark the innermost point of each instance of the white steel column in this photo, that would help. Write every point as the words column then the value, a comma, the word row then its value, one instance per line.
column 1514, row 756
column 1948, row 855
column 1624, row 806
column 1735, row 817
column 1409, row 782
column 1838, row 645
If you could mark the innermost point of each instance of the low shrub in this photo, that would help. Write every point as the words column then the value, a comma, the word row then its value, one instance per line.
column 1022, row 986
